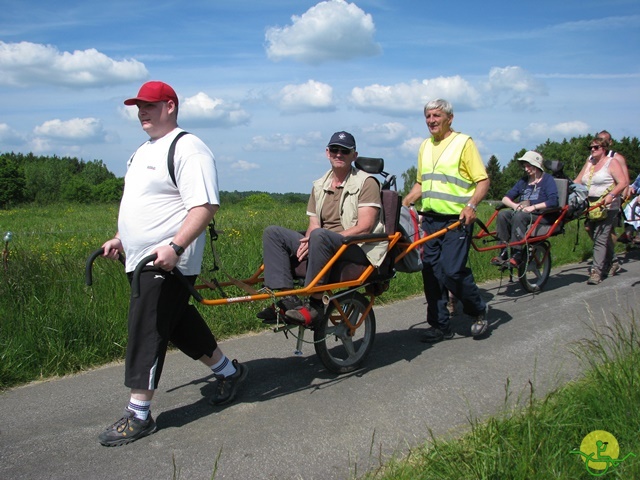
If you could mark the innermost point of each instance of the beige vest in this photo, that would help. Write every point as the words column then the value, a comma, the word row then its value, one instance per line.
column 375, row 251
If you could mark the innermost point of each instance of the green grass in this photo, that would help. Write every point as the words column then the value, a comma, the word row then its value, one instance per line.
column 534, row 440
column 52, row 324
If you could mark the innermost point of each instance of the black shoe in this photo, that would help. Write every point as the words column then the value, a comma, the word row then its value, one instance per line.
column 500, row 259
column 433, row 335
column 227, row 387
column 270, row 314
column 126, row 430
column 625, row 237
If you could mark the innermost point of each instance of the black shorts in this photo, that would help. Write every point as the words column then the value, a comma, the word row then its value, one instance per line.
column 162, row 314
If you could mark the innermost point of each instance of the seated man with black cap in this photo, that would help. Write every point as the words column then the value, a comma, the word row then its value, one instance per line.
column 345, row 201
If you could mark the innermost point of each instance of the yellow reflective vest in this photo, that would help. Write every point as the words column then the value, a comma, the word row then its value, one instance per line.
column 444, row 190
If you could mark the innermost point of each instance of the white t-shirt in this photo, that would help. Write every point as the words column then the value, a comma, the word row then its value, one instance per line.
column 153, row 208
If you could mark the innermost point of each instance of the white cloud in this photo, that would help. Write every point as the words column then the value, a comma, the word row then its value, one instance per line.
column 600, row 23
column 244, row 166
column 282, row 143
column 511, row 136
column 40, row 145
column 411, row 146
column 9, row 136
column 557, row 131
column 129, row 112
column 201, row 111
column 385, row 134
column 512, row 85
column 405, row 98
column 519, row 86
column 204, row 111
column 330, row 30
column 514, row 79
column 591, row 76
column 310, row 96
column 24, row 64
column 539, row 132
column 83, row 130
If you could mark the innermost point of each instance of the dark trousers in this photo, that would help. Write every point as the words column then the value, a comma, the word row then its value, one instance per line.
column 445, row 270
column 280, row 246
column 162, row 314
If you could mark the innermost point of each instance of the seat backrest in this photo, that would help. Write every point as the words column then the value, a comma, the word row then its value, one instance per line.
column 391, row 209
column 556, row 167
column 391, row 202
column 563, row 191
column 372, row 165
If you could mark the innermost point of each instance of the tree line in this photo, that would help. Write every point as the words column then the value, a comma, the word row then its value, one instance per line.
column 29, row 178
column 40, row 180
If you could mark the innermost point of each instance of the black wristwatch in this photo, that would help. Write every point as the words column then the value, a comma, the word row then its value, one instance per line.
column 177, row 248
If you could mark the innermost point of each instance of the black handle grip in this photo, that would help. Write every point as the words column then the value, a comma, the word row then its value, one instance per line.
column 88, row 269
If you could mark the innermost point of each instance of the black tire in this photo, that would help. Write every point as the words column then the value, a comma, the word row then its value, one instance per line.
column 339, row 350
column 534, row 271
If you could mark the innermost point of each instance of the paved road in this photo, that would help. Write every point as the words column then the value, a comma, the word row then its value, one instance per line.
column 294, row 420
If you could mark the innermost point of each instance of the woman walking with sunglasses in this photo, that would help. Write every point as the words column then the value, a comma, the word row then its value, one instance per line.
column 601, row 174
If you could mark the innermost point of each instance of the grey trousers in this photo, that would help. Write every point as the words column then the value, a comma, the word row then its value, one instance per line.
column 513, row 226
column 603, row 247
column 279, row 252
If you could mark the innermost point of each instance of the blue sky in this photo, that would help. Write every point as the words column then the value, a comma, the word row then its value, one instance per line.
column 266, row 83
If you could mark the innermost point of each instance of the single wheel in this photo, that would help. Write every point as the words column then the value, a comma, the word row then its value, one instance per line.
column 344, row 336
column 534, row 271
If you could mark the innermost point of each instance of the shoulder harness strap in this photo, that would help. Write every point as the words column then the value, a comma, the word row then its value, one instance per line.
column 171, row 154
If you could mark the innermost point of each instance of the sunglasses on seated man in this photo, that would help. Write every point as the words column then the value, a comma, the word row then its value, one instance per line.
column 342, row 150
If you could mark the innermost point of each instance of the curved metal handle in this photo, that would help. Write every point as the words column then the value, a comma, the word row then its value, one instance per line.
column 135, row 280
column 88, row 269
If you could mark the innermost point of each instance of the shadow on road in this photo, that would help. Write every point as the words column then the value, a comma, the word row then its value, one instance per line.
column 271, row 378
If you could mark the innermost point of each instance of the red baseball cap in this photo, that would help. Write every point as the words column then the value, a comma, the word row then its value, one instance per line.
column 154, row 92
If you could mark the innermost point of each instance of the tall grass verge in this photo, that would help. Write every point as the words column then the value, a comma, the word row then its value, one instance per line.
column 534, row 440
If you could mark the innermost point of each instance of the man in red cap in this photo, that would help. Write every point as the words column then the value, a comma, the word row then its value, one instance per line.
column 154, row 92
column 167, row 217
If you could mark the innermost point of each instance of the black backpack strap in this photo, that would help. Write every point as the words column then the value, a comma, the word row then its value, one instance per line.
column 483, row 227
column 171, row 154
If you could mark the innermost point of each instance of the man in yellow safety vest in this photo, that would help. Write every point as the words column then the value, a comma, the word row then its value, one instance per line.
column 451, row 182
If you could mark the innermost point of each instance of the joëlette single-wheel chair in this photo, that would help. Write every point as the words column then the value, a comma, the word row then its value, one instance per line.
column 343, row 336
column 533, row 272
